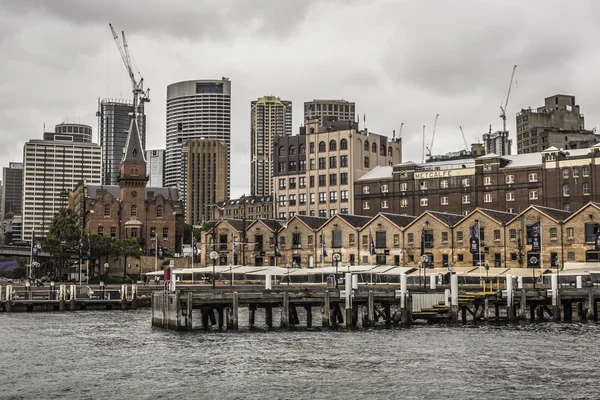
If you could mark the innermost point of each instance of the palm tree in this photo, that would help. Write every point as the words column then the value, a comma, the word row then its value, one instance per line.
column 63, row 237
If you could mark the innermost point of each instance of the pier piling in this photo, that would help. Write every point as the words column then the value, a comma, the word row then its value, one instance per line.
column 454, row 294
column 285, row 311
column 326, row 315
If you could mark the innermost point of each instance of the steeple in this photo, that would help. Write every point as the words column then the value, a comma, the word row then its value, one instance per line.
column 133, row 163
column 133, row 148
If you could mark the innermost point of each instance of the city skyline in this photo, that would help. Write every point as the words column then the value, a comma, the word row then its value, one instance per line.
column 398, row 71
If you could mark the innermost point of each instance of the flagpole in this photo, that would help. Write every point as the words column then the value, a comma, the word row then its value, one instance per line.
column 31, row 253
column 193, row 251
column 479, row 246
column 323, row 258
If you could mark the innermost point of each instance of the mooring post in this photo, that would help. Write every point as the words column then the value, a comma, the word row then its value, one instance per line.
column 326, row 315
column 348, row 288
column 579, row 281
column 73, row 298
column 520, row 282
column 268, row 282
column 308, row 316
column 269, row 316
column 523, row 302
column 134, row 297
column 9, row 298
column 555, row 300
column 234, row 311
column 403, row 295
column 204, row 317
column 486, row 311
column 432, row 279
column 371, row 309
column 61, row 298
column 123, row 297
column 454, row 294
column 189, row 304
column 590, row 311
column 497, row 310
column 285, row 310
column 510, row 310
column 251, row 315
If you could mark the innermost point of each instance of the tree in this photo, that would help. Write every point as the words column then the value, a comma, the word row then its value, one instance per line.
column 127, row 248
column 63, row 237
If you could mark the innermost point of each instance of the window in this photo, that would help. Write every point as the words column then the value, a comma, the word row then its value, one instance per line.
column 281, row 215
column 585, row 171
column 336, row 239
column 365, row 189
column 282, row 183
column 302, row 149
column 100, row 231
column 333, row 162
column 466, row 182
column 444, row 237
column 292, row 150
column 292, row 200
column 312, row 147
column 553, row 233
column 570, row 233
column 428, row 238
column 403, row 187
column 384, row 188
column 351, row 239
column 332, row 197
column 281, row 166
column 575, row 172
column 374, row 147
column 366, row 145
column 323, row 213
column 510, row 210
column 487, row 198
column 310, row 240
column 496, row 234
column 380, row 240
column 282, row 200
column 332, row 179
column 302, row 182
column 571, row 256
column 384, row 204
column 107, row 210
column 466, row 199
column 410, row 238
column 533, row 177
column 366, row 205
column 165, row 233
column 292, row 165
column 113, row 231
column 292, row 183
column 512, row 233
column 133, row 211
column 566, row 190
column 322, row 163
column 312, row 198
column 322, row 197
column 366, row 161
column 424, row 202
column 586, row 188
column 444, row 184
column 322, row 147
column 423, row 185
column 396, row 240
column 134, row 232
column 591, row 230
column 343, row 144
column 312, row 181
column 390, row 151
column 461, row 257
column 565, row 173
column 444, row 200
column 344, row 196
column 343, row 210
column 487, row 180
column 281, row 151
column 302, row 198
column 322, row 180
column 510, row 196
column 159, row 211
column 312, row 163
column 404, row 203
column 459, row 236
column 343, row 161
column 332, row 145
column 510, row 179
column 533, row 195
column 343, row 178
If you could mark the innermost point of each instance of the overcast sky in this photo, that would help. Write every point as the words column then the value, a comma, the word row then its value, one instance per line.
column 400, row 61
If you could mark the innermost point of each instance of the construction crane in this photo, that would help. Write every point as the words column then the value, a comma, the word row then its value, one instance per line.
column 464, row 138
column 400, row 132
column 430, row 147
column 139, row 95
column 503, row 108
column 423, row 151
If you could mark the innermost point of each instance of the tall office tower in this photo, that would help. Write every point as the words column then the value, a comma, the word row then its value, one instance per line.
column 269, row 117
column 114, row 118
column 497, row 143
column 156, row 167
column 329, row 111
column 52, row 168
column 12, row 189
column 195, row 110
column 206, row 166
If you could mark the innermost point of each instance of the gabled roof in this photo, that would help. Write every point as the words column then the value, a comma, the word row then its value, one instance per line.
column 356, row 221
column 237, row 224
column 445, row 218
column 398, row 219
column 585, row 206
column 552, row 213
column 272, row 224
column 313, row 223
column 377, row 173
column 498, row 216
column 133, row 148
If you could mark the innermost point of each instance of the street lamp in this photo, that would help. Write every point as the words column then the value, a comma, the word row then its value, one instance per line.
column 487, row 270
column 336, row 257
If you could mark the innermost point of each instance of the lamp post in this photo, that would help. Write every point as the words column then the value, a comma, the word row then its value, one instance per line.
column 487, row 270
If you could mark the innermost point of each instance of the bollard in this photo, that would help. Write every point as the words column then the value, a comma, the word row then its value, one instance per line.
column 73, row 298
column 579, row 280
column 371, row 309
column 555, row 300
column 123, row 297
column 61, row 298
column 348, row 290
column 268, row 282
column 432, row 282
column 454, row 294
column 102, row 290
column 520, row 282
column 234, row 311
column 285, row 310
column 355, row 282
column 509, row 298
column 52, row 290
column 326, row 314
column 134, row 297
column 447, row 297
column 8, row 298
column 403, row 305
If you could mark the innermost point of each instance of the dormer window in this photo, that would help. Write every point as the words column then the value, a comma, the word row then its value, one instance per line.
column 134, row 153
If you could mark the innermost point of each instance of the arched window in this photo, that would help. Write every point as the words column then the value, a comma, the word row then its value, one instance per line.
column 343, row 144
column 366, row 145
column 159, row 211
column 292, row 150
column 322, row 147
column 390, row 151
column 282, row 151
column 302, row 149
column 107, row 210
column 382, row 149
column 133, row 211
column 374, row 147
column 332, row 145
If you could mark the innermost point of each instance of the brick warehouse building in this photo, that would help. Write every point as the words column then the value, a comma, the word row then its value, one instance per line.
column 131, row 209
column 553, row 178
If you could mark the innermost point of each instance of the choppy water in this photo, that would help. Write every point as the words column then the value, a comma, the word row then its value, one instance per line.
column 97, row 355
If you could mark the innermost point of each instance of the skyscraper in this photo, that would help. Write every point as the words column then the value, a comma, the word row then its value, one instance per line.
column 329, row 111
column 269, row 117
column 156, row 167
column 195, row 110
column 52, row 168
column 114, row 118
column 12, row 189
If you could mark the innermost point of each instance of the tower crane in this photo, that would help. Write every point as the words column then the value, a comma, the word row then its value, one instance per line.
column 503, row 107
column 423, row 151
column 139, row 95
column 430, row 147
column 400, row 132
column 464, row 138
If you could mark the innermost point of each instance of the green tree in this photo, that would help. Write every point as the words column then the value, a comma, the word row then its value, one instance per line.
column 127, row 248
column 62, row 240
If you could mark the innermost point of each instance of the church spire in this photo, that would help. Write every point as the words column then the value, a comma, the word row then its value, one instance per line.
column 133, row 151
column 132, row 171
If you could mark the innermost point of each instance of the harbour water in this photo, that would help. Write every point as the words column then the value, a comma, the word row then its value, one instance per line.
column 108, row 355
